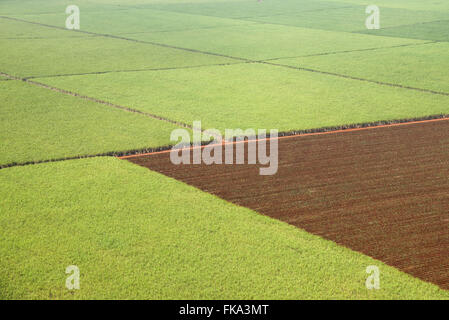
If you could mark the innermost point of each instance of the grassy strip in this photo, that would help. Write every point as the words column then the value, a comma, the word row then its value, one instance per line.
column 38, row 124
column 137, row 234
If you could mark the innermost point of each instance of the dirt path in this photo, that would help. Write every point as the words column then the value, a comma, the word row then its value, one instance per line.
column 383, row 191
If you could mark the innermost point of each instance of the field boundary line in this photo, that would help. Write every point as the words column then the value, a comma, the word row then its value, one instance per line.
column 395, row 85
column 131, row 70
column 305, row 133
column 248, row 23
column 405, row 25
column 243, row 59
column 350, row 51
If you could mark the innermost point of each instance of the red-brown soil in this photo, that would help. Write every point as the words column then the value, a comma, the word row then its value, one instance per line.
column 383, row 192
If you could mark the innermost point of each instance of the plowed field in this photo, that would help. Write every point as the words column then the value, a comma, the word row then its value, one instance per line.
column 380, row 191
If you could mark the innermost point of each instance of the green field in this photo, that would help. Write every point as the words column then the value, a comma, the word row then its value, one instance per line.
column 274, row 64
column 87, row 54
column 39, row 124
column 377, row 65
column 111, row 219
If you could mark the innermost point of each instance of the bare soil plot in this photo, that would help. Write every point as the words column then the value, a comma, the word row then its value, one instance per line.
column 383, row 191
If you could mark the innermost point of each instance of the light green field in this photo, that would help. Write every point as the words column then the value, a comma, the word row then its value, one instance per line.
column 269, row 41
column 37, row 57
column 230, row 37
column 131, row 20
column 112, row 220
column 252, row 96
column 38, row 124
column 388, row 65
column 138, row 234
column 90, row 55
column 336, row 16
column 352, row 19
